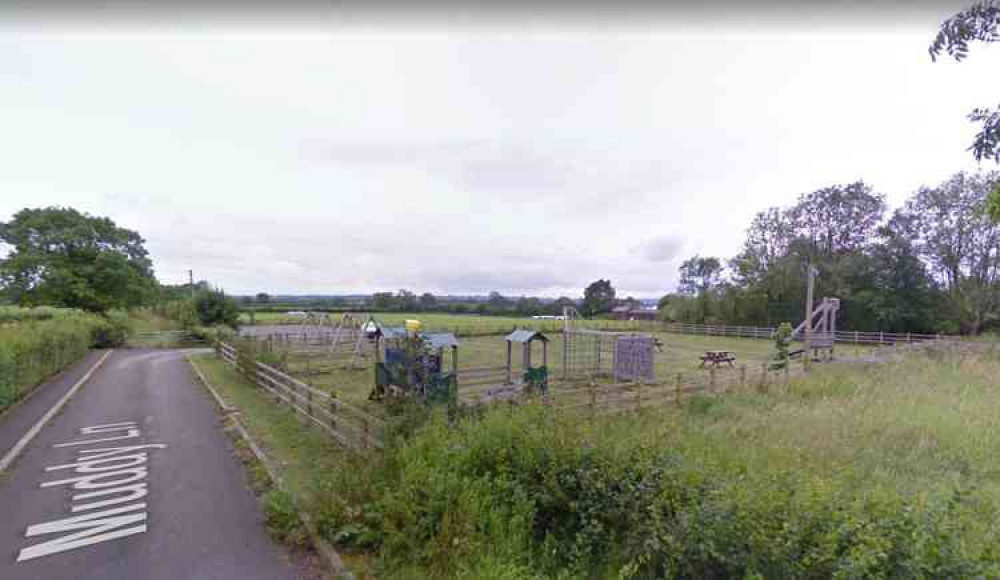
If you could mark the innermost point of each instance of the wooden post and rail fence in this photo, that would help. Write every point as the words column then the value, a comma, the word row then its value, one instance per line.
column 320, row 339
column 346, row 424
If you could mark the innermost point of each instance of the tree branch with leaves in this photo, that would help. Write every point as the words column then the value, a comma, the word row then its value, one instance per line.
column 979, row 23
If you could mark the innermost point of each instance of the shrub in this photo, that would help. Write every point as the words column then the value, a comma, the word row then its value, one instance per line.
column 551, row 496
column 112, row 331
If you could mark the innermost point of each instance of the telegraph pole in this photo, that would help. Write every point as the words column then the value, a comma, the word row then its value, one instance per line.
column 191, row 281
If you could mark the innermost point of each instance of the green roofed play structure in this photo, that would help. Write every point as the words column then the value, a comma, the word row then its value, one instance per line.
column 532, row 377
column 408, row 361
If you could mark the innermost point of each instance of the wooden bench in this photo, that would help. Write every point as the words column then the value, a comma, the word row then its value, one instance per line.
column 716, row 358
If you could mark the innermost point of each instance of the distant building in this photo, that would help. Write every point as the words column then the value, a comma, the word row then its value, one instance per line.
column 633, row 313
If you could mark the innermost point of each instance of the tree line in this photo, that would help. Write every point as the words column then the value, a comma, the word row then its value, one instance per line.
column 931, row 265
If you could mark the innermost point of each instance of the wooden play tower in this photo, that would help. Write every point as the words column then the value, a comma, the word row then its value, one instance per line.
column 819, row 329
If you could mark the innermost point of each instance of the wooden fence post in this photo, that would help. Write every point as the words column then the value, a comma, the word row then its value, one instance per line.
column 593, row 398
column 763, row 377
column 743, row 376
column 638, row 396
column 333, row 411
column 309, row 403
column 711, row 379
column 677, row 389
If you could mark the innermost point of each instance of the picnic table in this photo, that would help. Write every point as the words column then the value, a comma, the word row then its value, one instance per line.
column 716, row 358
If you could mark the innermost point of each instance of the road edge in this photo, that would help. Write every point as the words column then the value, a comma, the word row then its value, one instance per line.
column 333, row 561
column 18, row 448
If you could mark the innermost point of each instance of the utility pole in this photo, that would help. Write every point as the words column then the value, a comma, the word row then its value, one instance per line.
column 191, row 281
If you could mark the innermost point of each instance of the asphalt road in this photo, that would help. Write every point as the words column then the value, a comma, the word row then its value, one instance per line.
column 134, row 479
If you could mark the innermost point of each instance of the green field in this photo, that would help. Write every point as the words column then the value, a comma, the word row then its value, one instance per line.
column 460, row 324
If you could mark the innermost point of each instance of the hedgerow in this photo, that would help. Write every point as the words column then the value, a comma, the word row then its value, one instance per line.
column 38, row 342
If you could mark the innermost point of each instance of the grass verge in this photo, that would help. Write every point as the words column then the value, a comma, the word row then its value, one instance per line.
column 303, row 457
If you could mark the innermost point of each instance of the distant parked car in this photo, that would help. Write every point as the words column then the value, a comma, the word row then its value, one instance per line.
column 295, row 313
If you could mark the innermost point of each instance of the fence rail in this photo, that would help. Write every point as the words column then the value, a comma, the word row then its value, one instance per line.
column 346, row 424
column 602, row 399
column 767, row 332
column 312, row 337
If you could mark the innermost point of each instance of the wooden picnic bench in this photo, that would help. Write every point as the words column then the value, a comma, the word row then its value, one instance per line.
column 716, row 358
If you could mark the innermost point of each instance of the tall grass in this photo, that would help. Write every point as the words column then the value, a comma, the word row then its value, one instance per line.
column 878, row 471
column 38, row 342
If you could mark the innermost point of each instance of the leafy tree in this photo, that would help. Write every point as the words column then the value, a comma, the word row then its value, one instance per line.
column 168, row 292
column 428, row 301
column 980, row 23
column 406, row 301
column 767, row 241
column 383, row 301
column 213, row 307
column 903, row 293
column 630, row 302
column 556, row 308
column 698, row 275
column 598, row 297
column 528, row 306
column 62, row 257
column 838, row 219
column 497, row 303
column 993, row 204
column 263, row 297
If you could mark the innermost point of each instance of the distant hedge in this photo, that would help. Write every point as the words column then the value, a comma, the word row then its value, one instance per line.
column 36, row 343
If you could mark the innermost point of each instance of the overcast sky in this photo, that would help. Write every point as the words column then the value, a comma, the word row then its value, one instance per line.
column 530, row 160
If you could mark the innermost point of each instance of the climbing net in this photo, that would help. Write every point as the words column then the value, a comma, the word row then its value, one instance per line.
column 589, row 353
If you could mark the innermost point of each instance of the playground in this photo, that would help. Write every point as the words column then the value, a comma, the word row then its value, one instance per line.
column 308, row 354
column 362, row 359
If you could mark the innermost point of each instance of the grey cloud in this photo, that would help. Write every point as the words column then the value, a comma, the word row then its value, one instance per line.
column 660, row 249
column 571, row 178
